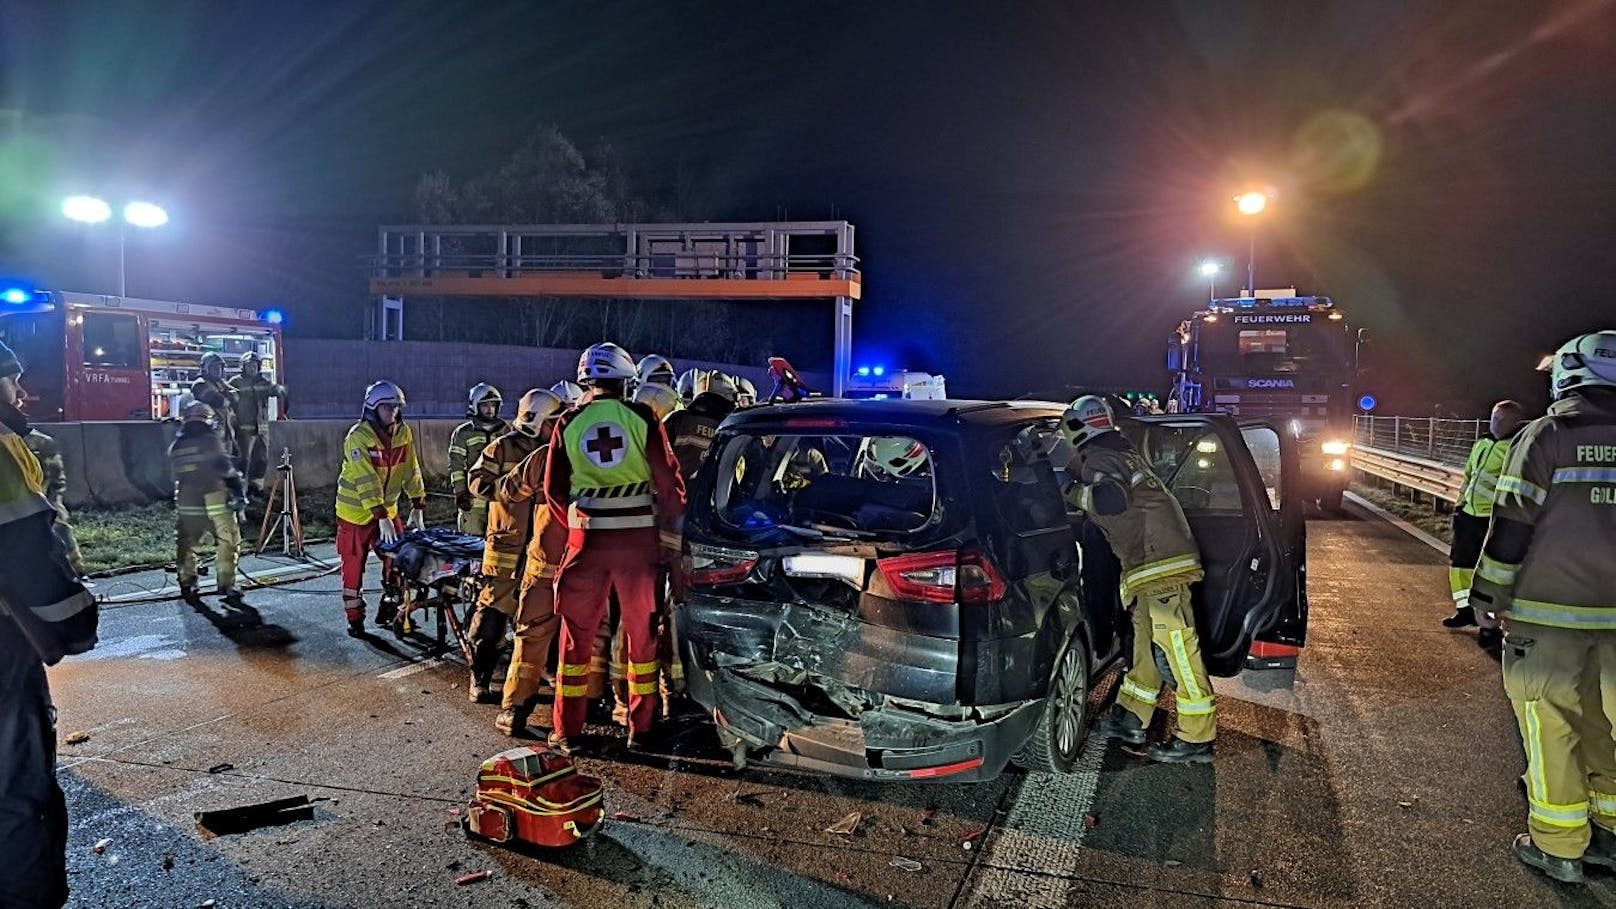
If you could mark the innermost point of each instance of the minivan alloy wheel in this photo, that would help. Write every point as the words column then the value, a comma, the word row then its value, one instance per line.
column 1071, row 694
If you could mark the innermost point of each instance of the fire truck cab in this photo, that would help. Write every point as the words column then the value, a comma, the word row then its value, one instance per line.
column 94, row 357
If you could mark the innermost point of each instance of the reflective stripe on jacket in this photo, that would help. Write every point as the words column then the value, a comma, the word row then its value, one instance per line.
column 1150, row 537
column 375, row 473
column 1482, row 469
column 466, row 444
column 201, row 467
column 509, row 522
column 37, row 588
column 547, row 540
column 250, row 412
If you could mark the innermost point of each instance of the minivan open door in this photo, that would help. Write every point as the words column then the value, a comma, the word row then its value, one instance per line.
column 1240, row 514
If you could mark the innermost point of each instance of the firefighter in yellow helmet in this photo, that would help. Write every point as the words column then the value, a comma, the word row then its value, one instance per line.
column 378, row 465
column 1548, row 574
column 510, row 523
column 1146, row 529
column 209, row 497
column 1475, row 509
column 482, row 425
column 44, row 615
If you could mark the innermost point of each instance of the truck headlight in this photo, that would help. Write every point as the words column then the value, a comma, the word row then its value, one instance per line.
column 1336, row 447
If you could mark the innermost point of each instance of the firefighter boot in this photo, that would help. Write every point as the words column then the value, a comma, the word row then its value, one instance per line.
column 1564, row 870
column 1122, row 724
column 512, row 721
column 1463, row 617
column 356, row 618
column 487, row 633
column 1601, row 849
column 1179, row 751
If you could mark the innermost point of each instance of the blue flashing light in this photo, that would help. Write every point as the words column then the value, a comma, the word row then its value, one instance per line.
column 16, row 296
column 879, row 370
column 1367, row 403
column 273, row 316
column 863, row 371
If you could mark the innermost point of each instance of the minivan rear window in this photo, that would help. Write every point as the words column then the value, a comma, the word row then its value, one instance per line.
column 881, row 485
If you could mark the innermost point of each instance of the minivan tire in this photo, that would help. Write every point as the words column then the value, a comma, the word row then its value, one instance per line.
column 1063, row 723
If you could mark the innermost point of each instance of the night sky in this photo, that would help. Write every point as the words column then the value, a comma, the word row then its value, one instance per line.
column 1032, row 183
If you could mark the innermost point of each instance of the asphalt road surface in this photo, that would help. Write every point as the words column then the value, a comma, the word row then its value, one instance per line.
column 1380, row 773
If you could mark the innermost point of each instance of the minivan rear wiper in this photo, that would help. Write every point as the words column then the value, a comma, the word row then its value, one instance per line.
column 830, row 533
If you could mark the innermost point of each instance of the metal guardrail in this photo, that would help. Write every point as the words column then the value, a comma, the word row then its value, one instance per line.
column 1442, row 481
column 1429, row 438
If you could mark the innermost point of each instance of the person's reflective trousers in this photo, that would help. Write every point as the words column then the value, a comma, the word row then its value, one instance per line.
column 1562, row 684
column 33, row 814
column 536, row 626
column 584, row 582
column 1165, row 648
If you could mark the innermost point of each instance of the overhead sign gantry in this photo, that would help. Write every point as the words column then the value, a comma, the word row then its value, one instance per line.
column 770, row 260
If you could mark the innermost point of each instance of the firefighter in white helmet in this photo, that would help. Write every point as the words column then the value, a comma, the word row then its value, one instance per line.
column 654, row 369
column 611, row 473
column 467, row 441
column 1146, row 529
column 1548, row 574
column 745, row 392
column 570, row 392
column 378, row 465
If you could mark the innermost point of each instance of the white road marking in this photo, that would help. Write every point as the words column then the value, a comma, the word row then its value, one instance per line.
column 1035, row 853
column 1397, row 522
column 411, row 669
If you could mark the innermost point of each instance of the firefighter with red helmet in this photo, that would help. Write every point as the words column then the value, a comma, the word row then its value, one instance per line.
column 612, row 473
column 378, row 465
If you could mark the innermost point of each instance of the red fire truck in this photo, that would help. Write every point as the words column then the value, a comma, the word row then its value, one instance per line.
column 95, row 357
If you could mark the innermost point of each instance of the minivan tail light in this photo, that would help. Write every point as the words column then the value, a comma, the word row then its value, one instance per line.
column 965, row 576
column 718, row 564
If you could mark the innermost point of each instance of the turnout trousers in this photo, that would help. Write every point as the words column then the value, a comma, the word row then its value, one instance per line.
column 33, row 814
column 1561, row 683
column 584, row 584
column 536, row 627
column 1166, row 649
column 1469, row 533
column 214, row 518
column 252, row 458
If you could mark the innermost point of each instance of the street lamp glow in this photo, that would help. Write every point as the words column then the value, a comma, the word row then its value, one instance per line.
column 86, row 209
column 1251, row 203
column 1210, row 268
column 145, row 214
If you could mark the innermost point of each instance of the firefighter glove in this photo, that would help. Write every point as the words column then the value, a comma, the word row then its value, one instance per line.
column 463, row 500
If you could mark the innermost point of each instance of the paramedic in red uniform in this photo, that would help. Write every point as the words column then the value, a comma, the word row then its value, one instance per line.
column 613, row 475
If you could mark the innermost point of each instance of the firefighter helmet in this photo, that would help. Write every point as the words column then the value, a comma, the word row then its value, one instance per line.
column 687, row 384
column 1088, row 417
column 660, row 398
column 893, row 457
column 1585, row 360
column 382, row 392
column 714, row 382
column 197, row 412
column 605, row 361
column 480, row 394
column 212, row 366
column 570, row 393
column 537, row 406
column 251, row 358
column 745, row 391
column 654, row 369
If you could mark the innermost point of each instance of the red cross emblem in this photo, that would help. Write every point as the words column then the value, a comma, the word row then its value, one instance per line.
column 604, row 444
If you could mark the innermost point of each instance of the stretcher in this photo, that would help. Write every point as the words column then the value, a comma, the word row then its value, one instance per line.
column 437, row 571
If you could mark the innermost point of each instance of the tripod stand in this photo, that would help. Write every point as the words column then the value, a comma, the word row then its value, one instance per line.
column 286, row 520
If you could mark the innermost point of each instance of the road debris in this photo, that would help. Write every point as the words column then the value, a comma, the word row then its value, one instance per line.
column 1173, row 863
column 221, row 768
column 906, row 864
column 1090, row 821
column 250, row 817
column 473, row 877
column 973, row 839
column 625, row 816
column 847, row 825
column 1256, row 878
column 100, row 846
column 76, row 738
column 168, row 863
column 928, row 817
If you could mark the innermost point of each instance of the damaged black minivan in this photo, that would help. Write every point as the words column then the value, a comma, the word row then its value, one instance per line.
column 895, row 590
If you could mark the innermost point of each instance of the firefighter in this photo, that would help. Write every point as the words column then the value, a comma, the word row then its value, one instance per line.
column 686, row 385
column 250, row 419
column 1146, row 529
column 210, row 388
column 44, row 615
column 209, row 497
column 1548, row 575
column 662, row 399
column 50, row 458
column 1475, row 509
column 612, row 474
column 654, row 369
column 522, row 489
column 482, row 424
column 570, row 392
column 378, row 464
column 509, row 524
column 745, row 392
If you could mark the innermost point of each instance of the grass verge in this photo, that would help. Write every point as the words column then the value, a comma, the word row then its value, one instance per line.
column 1420, row 514
column 141, row 536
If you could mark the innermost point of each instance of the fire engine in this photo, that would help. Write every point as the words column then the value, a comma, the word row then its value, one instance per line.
column 1276, row 354
column 95, row 357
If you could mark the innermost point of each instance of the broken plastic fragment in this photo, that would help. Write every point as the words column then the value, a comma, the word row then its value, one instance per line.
column 846, row 825
column 76, row 738
column 625, row 816
column 473, row 877
column 101, row 846
column 905, row 863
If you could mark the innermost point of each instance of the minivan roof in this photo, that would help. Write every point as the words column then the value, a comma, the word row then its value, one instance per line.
column 899, row 412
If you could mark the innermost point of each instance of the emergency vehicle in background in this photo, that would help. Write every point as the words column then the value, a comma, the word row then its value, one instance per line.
column 97, row 357
column 879, row 383
column 1276, row 355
